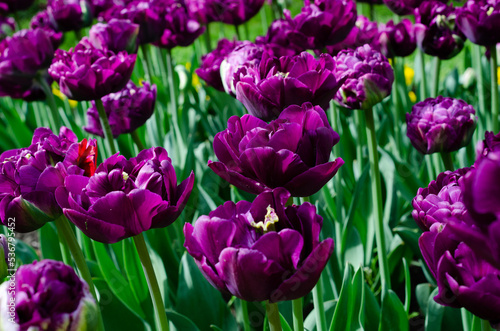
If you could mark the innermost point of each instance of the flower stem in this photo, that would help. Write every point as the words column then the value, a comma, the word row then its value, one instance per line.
column 437, row 71
column 273, row 316
column 171, row 85
column 448, row 161
column 486, row 326
column 319, row 307
column 480, row 80
column 160, row 315
column 298, row 316
column 423, row 82
column 64, row 230
column 106, row 128
column 137, row 140
column 208, row 42
column 66, row 255
column 54, row 118
column 494, row 88
column 237, row 30
column 148, row 68
column 246, row 320
column 377, row 202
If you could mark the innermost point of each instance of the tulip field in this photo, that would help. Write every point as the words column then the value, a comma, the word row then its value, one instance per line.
column 249, row 165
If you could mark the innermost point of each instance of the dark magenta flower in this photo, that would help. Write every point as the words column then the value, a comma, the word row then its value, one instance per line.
column 277, row 41
column 436, row 32
column 322, row 23
column 69, row 15
column 490, row 143
column 367, row 75
column 48, row 295
column 180, row 29
column 261, row 250
column 405, row 7
column 88, row 73
column 245, row 54
column 116, row 36
column 440, row 125
column 205, row 11
column 15, row 5
column 292, row 151
column 276, row 83
column 479, row 20
column 127, row 109
column 29, row 176
column 236, row 12
column 363, row 32
column 125, row 197
column 442, row 199
column 396, row 39
column 209, row 69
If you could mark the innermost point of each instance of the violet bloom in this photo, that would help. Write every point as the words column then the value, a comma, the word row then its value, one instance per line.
column 490, row 143
column 442, row 199
column 116, row 36
column 277, row 83
column 322, row 23
column 405, row 7
column 396, row 39
column 125, row 197
column 363, row 32
column 29, row 176
column 261, row 250
column 205, row 11
column 209, row 69
column 69, row 15
column 88, row 73
column 15, row 5
column 368, row 77
column 479, row 20
column 277, row 40
column 48, row 295
column 127, row 109
column 436, row 32
column 24, row 57
column 292, row 151
column 440, row 125
column 180, row 29
column 245, row 54
column 236, row 12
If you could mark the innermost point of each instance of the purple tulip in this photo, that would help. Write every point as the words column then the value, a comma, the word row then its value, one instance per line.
column 125, row 197
column 30, row 176
column 205, row 11
column 490, row 143
column 479, row 20
column 116, row 36
column 322, row 23
column 48, row 295
column 277, row 83
column 246, row 54
column 236, row 12
column 436, row 32
column 261, row 250
column 15, row 5
column 368, row 77
column 88, row 73
column 405, row 7
column 277, row 41
column 180, row 29
column 209, row 69
column 440, row 125
column 69, row 15
column 291, row 152
column 396, row 39
column 127, row 110
column 364, row 32
column 442, row 199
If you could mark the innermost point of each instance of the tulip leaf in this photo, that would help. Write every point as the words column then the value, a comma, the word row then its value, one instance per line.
column 435, row 312
column 284, row 324
column 49, row 242
column 117, row 283
column 24, row 253
column 371, row 310
column 134, row 271
column 180, row 322
column 393, row 315
column 344, row 304
column 422, row 294
column 310, row 321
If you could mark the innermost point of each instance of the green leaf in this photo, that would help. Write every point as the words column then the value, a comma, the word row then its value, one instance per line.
column 24, row 253
column 371, row 310
column 49, row 242
column 180, row 322
column 134, row 271
column 393, row 315
column 434, row 315
column 117, row 282
column 339, row 321
column 423, row 293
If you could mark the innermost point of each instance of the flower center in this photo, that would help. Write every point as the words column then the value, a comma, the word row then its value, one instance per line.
column 125, row 176
column 269, row 220
column 490, row 11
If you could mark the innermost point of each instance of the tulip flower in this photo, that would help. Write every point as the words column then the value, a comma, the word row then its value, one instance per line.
column 479, row 21
column 125, row 197
column 126, row 110
column 440, row 125
column 292, row 151
column 88, row 73
column 116, row 36
column 29, row 176
column 261, row 250
column 276, row 83
column 368, row 77
column 70, row 15
column 48, row 295
column 363, row 32
column 490, row 143
column 396, row 39
column 15, row 5
column 277, row 41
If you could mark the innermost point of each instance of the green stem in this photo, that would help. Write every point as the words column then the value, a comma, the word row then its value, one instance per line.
column 137, row 140
column 66, row 255
column 377, row 202
column 319, row 307
column 148, row 68
column 359, row 122
column 54, row 118
column 466, row 319
column 437, row 71
column 430, row 167
column 237, row 30
column 298, row 316
column 171, row 85
column 246, row 320
column 494, row 87
column 208, row 42
column 480, row 80
column 448, row 161
column 396, row 105
column 423, row 82
column 160, row 315
column 67, row 233
column 273, row 316
column 106, row 128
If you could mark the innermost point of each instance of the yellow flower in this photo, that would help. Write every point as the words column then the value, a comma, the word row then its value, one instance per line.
column 498, row 75
column 60, row 95
column 409, row 74
column 413, row 96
